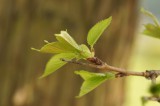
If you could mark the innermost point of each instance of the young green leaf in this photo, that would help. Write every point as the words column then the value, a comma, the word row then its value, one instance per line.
column 96, row 31
column 66, row 39
column 55, row 63
column 155, row 20
column 85, row 52
column 56, row 47
column 152, row 30
column 92, row 80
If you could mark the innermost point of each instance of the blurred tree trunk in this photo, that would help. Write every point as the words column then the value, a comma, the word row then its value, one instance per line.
column 26, row 23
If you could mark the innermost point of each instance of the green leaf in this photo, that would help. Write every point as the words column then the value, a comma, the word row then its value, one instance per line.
column 55, row 63
column 92, row 80
column 152, row 30
column 155, row 89
column 66, row 39
column 96, row 31
column 155, row 20
column 56, row 47
column 85, row 52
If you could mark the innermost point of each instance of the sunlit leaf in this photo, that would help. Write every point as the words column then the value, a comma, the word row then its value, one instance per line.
column 66, row 39
column 55, row 63
column 85, row 52
column 152, row 30
column 155, row 20
column 92, row 80
column 56, row 47
column 96, row 31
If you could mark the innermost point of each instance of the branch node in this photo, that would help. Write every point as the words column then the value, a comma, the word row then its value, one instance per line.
column 151, row 75
column 96, row 61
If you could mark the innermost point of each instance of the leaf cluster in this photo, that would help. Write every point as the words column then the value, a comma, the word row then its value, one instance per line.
column 67, row 48
column 151, row 29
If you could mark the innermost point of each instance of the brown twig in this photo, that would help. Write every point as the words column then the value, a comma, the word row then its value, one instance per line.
column 152, row 98
column 99, row 64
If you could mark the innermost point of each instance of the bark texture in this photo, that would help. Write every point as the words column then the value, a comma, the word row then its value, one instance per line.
column 26, row 23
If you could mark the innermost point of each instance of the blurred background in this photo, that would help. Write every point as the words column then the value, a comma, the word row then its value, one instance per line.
column 145, row 55
column 26, row 23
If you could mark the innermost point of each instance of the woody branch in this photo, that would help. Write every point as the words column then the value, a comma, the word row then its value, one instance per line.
column 120, row 72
